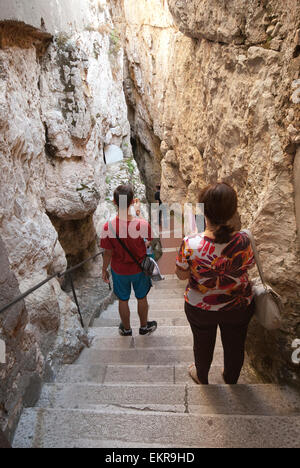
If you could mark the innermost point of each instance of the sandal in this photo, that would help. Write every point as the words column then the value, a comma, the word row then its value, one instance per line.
column 193, row 374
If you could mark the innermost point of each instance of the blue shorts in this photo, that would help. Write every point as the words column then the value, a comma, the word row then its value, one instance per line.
column 122, row 285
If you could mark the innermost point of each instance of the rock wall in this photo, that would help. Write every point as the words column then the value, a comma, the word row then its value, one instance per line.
column 61, row 105
column 147, row 29
column 54, row 16
column 211, row 94
column 20, row 353
column 213, row 85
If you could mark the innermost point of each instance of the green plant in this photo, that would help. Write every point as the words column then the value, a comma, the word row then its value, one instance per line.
column 131, row 167
column 89, row 189
column 62, row 39
column 267, row 44
column 115, row 42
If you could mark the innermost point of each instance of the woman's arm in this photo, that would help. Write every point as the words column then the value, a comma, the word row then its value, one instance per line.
column 183, row 270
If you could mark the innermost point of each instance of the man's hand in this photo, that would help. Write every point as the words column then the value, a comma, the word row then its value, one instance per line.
column 105, row 276
column 137, row 206
column 107, row 256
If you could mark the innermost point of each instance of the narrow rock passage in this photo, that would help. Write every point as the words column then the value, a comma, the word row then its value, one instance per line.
column 171, row 240
column 136, row 392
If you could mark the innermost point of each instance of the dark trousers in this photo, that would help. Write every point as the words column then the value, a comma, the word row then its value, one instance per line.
column 233, row 325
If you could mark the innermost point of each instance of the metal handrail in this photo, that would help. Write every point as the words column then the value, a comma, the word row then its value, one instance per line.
column 55, row 275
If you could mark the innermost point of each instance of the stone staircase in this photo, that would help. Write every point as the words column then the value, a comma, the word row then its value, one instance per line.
column 136, row 392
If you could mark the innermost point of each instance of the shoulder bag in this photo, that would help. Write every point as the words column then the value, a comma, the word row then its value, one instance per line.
column 268, row 304
column 147, row 266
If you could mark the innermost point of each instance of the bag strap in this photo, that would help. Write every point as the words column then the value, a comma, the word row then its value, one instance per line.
column 124, row 246
column 257, row 258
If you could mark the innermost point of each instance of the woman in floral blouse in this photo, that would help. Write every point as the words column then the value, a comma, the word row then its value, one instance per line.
column 219, row 292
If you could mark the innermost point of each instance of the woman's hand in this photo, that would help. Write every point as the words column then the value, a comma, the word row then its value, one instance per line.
column 183, row 274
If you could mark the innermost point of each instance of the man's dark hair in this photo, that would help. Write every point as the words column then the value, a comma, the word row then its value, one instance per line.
column 124, row 190
column 158, row 187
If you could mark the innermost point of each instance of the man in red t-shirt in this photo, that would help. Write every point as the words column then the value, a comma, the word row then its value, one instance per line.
column 125, row 271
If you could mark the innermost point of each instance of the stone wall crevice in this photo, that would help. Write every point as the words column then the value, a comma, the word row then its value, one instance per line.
column 18, row 33
column 218, row 92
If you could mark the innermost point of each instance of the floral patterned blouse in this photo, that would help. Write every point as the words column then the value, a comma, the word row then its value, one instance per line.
column 219, row 272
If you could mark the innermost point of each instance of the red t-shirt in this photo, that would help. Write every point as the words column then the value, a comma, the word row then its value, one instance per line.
column 132, row 234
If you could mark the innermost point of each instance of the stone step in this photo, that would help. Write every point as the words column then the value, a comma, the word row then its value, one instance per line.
column 114, row 397
column 113, row 312
column 146, row 374
column 170, row 284
column 136, row 342
column 164, row 285
column 267, row 400
column 63, row 428
column 149, row 355
column 135, row 323
column 163, row 303
column 155, row 340
column 184, row 330
column 106, row 444
column 158, row 294
column 170, row 278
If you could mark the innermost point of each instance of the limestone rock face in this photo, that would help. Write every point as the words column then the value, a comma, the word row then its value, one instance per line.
column 54, row 16
column 30, row 239
column 61, row 104
column 218, row 100
column 121, row 173
column 77, row 84
column 237, row 22
column 19, row 354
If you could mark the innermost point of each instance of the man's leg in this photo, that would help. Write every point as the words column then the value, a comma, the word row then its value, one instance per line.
column 143, row 309
column 124, row 312
column 122, row 289
column 142, row 285
column 146, row 327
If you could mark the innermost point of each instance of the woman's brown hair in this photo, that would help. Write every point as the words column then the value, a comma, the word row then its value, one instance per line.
column 220, row 205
